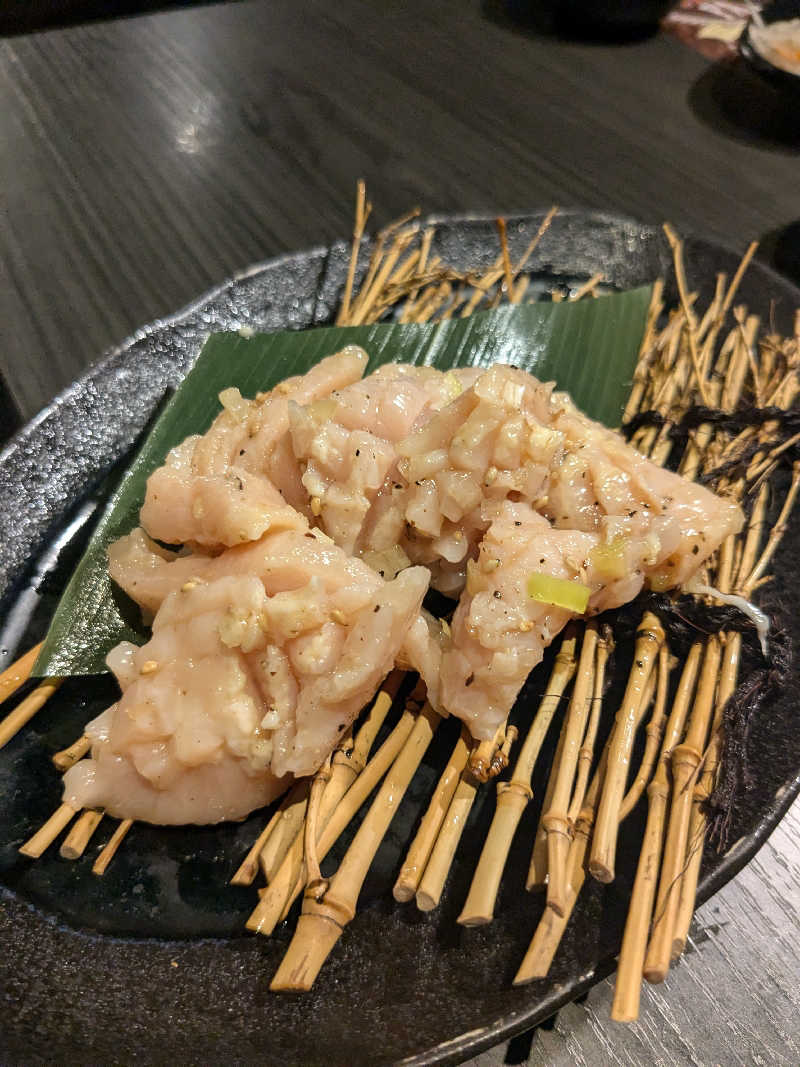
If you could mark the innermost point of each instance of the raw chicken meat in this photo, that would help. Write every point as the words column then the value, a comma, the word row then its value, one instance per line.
column 231, row 484
column 239, row 688
column 500, row 630
column 312, row 520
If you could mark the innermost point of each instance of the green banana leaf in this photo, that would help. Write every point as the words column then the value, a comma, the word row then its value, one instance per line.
column 588, row 347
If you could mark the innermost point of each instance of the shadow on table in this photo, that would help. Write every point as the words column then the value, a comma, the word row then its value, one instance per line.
column 29, row 16
column 781, row 249
column 587, row 21
column 738, row 103
column 10, row 418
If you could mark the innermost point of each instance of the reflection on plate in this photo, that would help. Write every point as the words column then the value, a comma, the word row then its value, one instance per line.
column 150, row 960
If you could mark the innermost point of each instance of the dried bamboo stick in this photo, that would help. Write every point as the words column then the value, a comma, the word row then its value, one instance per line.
column 647, row 353
column 776, row 533
column 363, row 209
column 18, row 672
column 349, row 758
column 744, row 263
column 753, row 535
column 550, row 929
column 48, row 832
column 747, row 578
column 282, row 890
column 110, row 849
column 481, row 288
column 424, row 252
column 514, row 796
column 654, row 730
column 248, row 869
column 537, row 871
column 691, row 321
column 556, row 818
column 323, row 919
column 521, row 288
column 80, row 834
column 712, row 311
column 290, row 819
column 698, row 823
column 446, row 844
column 444, row 848
column 315, row 793
column 68, row 757
column 649, row 638
column 26, row 709
column 586, row 753
column 686, row 759
column 711, row 338
column 533, row 244
column 508, row 272
column 627, row 990
column 371, row 289
column 588, row 286
column 417, row 857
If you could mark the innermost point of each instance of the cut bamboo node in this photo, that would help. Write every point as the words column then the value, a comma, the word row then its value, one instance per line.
column 68, row 757
column 76, row 841
column 684, row 756
column 339, row 911
column 318, row 929
column 482, row 760
column 512, row 799
column 314, row 940
column 501, row 756
column 649, row 638
column 658, row 789
column 601, row 868
column 559, row 836
column 513, row 793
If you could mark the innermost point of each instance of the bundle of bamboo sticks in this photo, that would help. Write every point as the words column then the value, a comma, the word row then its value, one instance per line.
column 686, row 359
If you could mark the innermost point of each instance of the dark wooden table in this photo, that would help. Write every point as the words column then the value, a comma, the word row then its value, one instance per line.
column 146, row 159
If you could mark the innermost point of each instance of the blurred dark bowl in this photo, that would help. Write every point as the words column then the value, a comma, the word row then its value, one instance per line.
column 779, row 11
column 607, row 18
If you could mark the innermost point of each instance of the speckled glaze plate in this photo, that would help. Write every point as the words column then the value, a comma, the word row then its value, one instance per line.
column 150, row 963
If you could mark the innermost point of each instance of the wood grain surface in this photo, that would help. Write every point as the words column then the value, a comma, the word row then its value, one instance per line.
column 146, row 159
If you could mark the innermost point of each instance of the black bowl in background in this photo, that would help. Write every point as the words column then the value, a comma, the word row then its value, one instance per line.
column 779, row 11
column 610, row 18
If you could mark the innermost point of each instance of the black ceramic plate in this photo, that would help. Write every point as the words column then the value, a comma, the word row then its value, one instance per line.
column 150, row 962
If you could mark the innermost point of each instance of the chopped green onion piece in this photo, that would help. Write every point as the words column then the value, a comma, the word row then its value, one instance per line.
column 560, row 592
column 609, row 560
